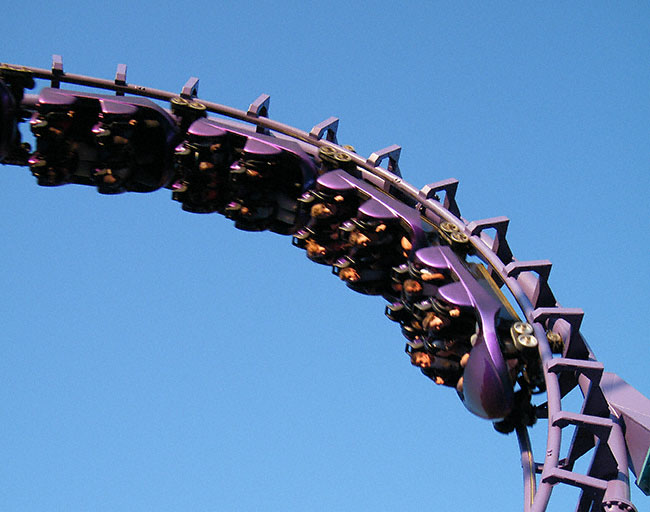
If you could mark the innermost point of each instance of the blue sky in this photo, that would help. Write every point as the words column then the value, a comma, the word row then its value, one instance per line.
column 154, row 359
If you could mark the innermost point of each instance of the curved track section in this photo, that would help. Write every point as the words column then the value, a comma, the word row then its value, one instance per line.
column 444, row 277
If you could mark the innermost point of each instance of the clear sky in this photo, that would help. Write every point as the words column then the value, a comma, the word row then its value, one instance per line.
column 153, row 359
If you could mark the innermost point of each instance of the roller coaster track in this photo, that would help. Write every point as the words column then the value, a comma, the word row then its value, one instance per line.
column 613, row 424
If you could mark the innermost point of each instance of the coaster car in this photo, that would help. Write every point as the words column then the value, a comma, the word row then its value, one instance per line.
column 326, row 212
column 265, row 183
column 9, row 135
column 442, row 370
column 115, row 143
column 488, row 384
column 134, row 139
column 361, row 279
column 65, row 146
column 415, row 231
column 261, row 184
column 252, row 178
column 13, row 82
column 362, row 249
column 202, row 163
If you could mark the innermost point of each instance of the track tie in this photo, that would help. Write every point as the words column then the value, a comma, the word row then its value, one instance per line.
column 449, row 187
column 590, row 369
column 57, row 71
column 120, row 78
column 329, row 127
column 260, row 108
column 498, row 244
column 392, row 153
column 584, row 482
column 600, row 427
column 190, row 89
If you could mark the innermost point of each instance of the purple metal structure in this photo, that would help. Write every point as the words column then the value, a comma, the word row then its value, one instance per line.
column 442, row 275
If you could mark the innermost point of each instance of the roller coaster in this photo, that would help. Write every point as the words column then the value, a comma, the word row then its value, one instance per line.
column 444, row 279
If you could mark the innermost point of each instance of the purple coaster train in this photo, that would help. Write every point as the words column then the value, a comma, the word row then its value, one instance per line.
column 441, row 275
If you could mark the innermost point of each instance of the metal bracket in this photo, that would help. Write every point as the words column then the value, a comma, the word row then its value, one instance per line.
column 535, row 288
column 120, row 78
column 541, row 267
column 392, row 153
column 449, row 187
column 260, row 108
column 499, row 244
column 57, row 70
column 573, row 316
column 329, row 126
column 191, row 88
